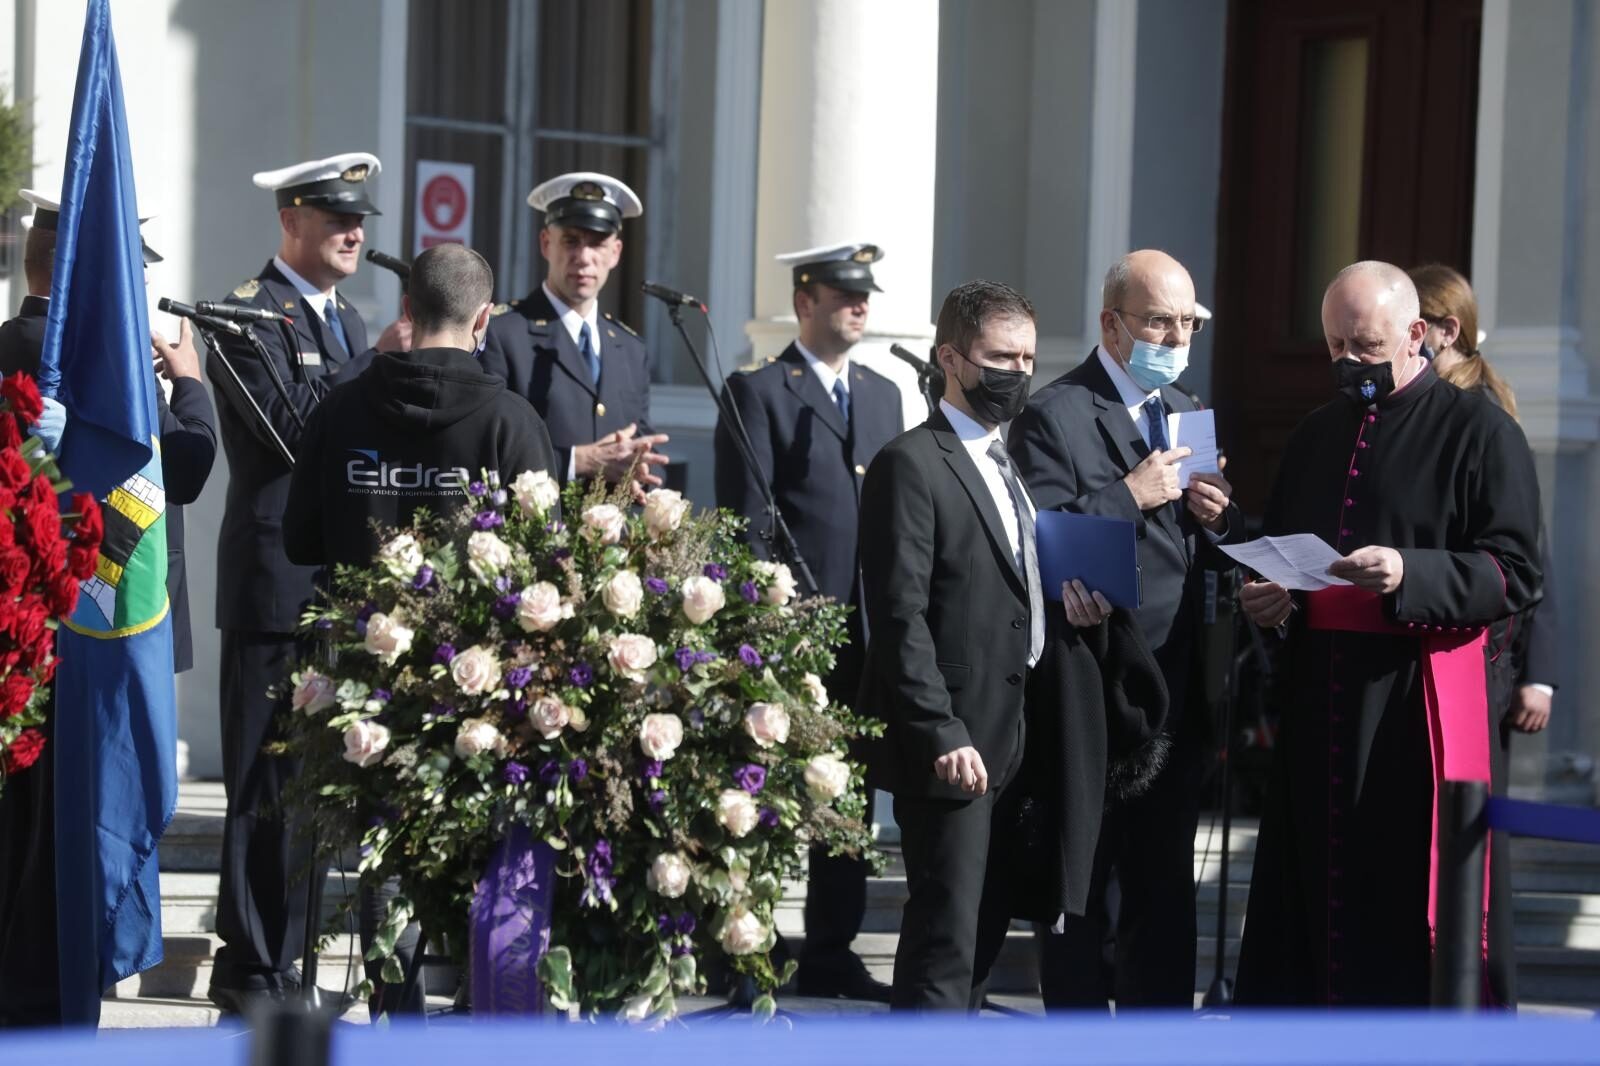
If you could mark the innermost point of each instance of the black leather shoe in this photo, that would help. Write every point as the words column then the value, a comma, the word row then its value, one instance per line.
column 238, row 996
column 853, row 983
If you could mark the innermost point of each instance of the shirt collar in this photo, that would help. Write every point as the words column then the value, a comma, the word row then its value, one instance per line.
column 1132, row 396
column 574, row 321
column 313, row 296
column 824, row 372
column 967, row 428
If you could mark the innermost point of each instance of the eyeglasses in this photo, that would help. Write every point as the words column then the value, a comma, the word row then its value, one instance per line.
column 1165, row 323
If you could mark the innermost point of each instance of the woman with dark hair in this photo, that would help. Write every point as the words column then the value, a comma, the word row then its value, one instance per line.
column 1522, row 669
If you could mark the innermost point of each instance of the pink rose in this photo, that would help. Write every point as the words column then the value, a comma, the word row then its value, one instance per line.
column 604, row 522
column 536, row 492
column 623, row 594
column 736, row 812
column 475, row 671
column 631, row 655
column 475, row 737
column 827, row 777
column 365, row 743
column 767, row 724
column 660, row 735
column 549, row 716
column 387, row 637
column 742, row 932
column 313, row 693
column 539, row 608
column 702, row 598
column 664, row 510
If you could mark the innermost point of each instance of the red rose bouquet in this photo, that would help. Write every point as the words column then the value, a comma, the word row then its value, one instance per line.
column 44, row 553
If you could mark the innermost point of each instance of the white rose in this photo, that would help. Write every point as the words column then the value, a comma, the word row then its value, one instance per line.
column 536, row 492
column 549, row 716
column 815, row 689
column 387, row 637
column 663, row 511
column 767, row 724
column 827, row 777
column 736, row 811
column 539, row 607
column 365, row 743
column 743, row 933
column 487, row 555
column 631, row 655
column 475, row 671
column 781, row 584
column 475, row 737
column 313, row 693
column 623, row 594
column 402, row 556
column 603, row 522
column 660, row 735
column 702, row 598
column 669, row 875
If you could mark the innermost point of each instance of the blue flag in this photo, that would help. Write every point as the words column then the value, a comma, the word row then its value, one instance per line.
column 115, row 732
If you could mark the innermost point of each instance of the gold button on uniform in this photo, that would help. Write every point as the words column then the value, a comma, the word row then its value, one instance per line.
column 600, row 410
column 861, row 471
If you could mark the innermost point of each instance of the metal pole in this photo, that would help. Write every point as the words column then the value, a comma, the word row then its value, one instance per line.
column 1458, row 938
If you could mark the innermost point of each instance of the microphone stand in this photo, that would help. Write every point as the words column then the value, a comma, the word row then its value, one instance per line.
column 262, row 354
column 929, row 375
column 778, row 531
column 206, row 327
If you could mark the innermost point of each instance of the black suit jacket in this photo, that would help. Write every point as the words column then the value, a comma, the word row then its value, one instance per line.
column 1073, row 445
column 815, row 465
column 188, row 448
column 529, row 347
column 948, row 611
column 258, row 589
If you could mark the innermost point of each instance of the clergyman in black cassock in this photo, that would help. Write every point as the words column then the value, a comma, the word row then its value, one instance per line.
column 1431, row 494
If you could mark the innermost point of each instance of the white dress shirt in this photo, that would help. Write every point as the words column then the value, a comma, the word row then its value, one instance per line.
column 574, row 322
column 314, row 297
column 977, row 440
column 824, row 372
column 1132, row 398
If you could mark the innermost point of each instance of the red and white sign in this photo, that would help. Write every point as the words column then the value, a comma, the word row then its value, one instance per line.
column 444, row 204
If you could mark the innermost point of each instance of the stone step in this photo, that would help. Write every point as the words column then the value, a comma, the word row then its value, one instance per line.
column 185, row 970
column 189, row 900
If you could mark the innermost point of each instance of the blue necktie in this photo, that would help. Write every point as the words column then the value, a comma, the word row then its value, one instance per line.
column 590, row 356
column 330, row 315
column 1155, row 416
column 841, row 396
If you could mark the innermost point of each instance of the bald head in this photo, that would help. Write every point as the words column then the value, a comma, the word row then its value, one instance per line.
column 1144, row 285
column 1370, row 311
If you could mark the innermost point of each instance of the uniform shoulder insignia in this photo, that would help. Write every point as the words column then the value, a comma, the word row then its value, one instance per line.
column 499, row 309
column 248, row 290
column 757, row 364
column 629, row 330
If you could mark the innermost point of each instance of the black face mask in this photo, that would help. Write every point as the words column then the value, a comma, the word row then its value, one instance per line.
column 1363, row 384
column 999, row 396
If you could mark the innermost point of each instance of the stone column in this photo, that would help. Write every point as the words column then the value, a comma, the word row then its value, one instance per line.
column 849, row 103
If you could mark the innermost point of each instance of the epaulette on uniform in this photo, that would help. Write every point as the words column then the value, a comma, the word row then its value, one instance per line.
column 247, row 290
column 629, row 330
column 499, row 309
column 757, row 365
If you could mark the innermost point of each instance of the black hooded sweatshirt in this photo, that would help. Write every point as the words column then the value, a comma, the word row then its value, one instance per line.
column 411, row 432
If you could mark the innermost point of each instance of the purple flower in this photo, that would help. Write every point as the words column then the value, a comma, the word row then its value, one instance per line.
column 581, row 675
column 750, row 593
column 550, row 773
column 515, row 709
column 749, row 656
column 487, row 520
column 324, row 623
column 444, row 653
column 682, row 948
column 424, row 577
column 439, row 710
column 382, row 695
column 368, row 609
column 477, row 488
column 577, row 770
column 705, row 656
column 768, row 818
column 651, row 769
column 597, row 865
column 665, row 925
column 715, row 571
column 518, row 677
column 515, row 773
column 505, row 607
column 502, row 584
column 656, row 801
column 685, row 923
column 750, row 777
column 656, row 585
column 499, row 498
column 697, row 719
column 686, row 659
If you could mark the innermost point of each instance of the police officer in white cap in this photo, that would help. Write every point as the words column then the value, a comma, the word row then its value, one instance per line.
column 322, row 205
column 585, row 372
column 816, row 418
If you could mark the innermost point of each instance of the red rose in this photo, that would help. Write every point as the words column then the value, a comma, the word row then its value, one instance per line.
column 90, row 527
column 24, row 751
column 15, row 691
column 45, row 673
column 49, row 564
column 14, row 567
column 62, row 596
column 28, row 626
column 10, row 435
column 23, row 395
column 43, row 514
column 81, row 563
column 15, row 473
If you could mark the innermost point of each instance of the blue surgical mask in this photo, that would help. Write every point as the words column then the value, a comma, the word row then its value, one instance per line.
column 1152, row 365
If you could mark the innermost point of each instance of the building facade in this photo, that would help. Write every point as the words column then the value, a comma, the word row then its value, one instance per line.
column 1262, row 142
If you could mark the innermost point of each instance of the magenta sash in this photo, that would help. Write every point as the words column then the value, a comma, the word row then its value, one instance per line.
column 1455, row 696
column 510, row 926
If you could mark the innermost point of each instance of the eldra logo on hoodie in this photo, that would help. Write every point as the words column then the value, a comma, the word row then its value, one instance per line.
column 372, row 475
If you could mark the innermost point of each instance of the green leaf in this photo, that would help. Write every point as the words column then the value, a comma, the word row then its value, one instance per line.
column 392, row 973
column 765, row 1008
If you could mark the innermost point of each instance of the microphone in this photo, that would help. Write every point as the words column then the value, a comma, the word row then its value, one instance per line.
column 921, row 366
column 671, row 296
column 235, row 313
column 389, row 262
column 183, row 310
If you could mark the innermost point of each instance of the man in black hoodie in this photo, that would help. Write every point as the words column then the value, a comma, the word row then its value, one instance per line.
column 411, row 432
column 416, row 428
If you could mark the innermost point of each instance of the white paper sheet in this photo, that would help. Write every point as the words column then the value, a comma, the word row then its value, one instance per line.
column 1297, row 561
column 1197, row 431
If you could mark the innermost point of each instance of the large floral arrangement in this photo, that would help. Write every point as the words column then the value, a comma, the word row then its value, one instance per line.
column 633, row 686
column 40, row 567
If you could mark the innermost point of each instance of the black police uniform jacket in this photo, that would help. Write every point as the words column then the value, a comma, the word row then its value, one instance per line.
column 530, row 348
column 258, row 589
column 816, row 465
column 188, row 448
column 411, row 432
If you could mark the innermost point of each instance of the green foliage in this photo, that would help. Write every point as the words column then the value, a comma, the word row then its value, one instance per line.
column 16, row 151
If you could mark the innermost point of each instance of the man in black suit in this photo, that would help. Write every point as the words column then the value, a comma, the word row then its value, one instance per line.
column 1095, row 441
column 815, row 419
column 28, row 970
column 956, row 613
column 586, row 373
column 322, row 205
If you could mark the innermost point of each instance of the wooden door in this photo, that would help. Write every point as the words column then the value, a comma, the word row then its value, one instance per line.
column 1349, row 133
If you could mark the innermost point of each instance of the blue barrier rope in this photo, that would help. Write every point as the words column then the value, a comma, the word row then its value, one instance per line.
column 1548, row 821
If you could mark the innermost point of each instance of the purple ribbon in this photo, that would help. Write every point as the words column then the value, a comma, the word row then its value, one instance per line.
column 510, row 923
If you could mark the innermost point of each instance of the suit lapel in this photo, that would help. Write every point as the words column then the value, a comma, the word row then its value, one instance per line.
column 547, row 331
column 801, row 380
column 1126, row 442
column 306, row 337
column 354, row 329
column 966, row 471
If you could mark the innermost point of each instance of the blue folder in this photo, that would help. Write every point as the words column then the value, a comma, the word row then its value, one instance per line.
column 1103, row 553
